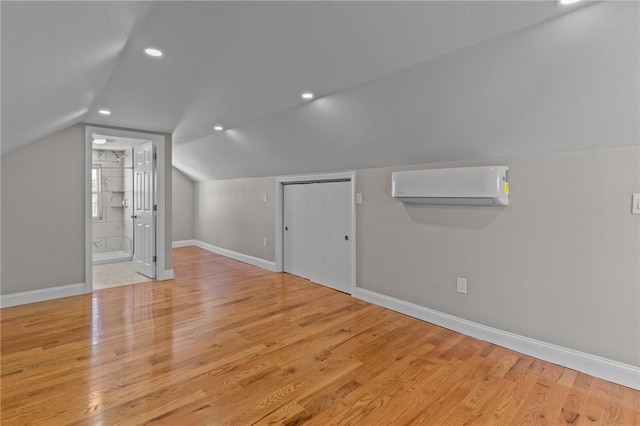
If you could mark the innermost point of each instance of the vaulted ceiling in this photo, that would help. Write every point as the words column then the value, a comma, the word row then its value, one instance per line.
column 242, row 65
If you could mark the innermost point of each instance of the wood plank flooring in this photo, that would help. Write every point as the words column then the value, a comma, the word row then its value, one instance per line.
column 229, row 343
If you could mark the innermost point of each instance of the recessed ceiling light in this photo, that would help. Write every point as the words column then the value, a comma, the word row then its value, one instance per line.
column 218, row 128
column 153, row 52
column 99, row 141
column 307, row 95
column 104, row 112
column 567, row 2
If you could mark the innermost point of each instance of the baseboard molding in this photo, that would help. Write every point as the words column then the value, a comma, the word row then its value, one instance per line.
column 164, row 275
column 603, row 368
column 184, row 243
column 255, row 261
column 33, row 296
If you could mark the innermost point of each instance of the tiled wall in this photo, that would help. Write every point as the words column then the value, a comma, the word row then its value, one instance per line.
column 127, row 237
column 110, row 232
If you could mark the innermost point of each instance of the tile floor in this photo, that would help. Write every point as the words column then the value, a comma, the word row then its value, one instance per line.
column 116, row 274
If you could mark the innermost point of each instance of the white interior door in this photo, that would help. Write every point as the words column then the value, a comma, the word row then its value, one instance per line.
column 295, row 223
column 144, row 256
column 317, row 232
column 330, row 234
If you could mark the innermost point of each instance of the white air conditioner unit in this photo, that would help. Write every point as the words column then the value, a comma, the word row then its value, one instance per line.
column 481, row 186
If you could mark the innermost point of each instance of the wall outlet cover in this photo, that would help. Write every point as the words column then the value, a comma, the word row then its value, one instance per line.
column 461, row 285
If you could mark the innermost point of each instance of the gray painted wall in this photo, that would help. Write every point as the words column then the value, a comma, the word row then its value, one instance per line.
column 560, row 264
column 232, row 214
column 43, row 213
column 183, row 206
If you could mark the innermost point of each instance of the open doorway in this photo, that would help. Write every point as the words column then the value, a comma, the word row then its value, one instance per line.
column 124, row 208
column 112, row 211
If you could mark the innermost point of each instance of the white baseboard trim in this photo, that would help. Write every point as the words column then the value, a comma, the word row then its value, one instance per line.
column 255, row 261
column 164, row 275
column 184, row 243
column 33, row 296
column 613, row 371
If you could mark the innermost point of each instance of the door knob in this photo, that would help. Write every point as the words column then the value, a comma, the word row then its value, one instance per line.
column 134, row 216
column 286, row 228
column 346, row 238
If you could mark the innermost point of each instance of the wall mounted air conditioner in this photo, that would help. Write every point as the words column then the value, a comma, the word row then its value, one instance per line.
column 482, row 186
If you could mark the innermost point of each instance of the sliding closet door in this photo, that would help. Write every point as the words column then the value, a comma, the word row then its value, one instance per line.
column 329, row 234
column 295, row 226
column 320, row 250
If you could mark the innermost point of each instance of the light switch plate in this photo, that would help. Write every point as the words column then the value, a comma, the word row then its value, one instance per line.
column 635, row 204
column 359, row 198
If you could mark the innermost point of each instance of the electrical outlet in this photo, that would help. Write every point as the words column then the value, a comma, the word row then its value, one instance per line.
column 264, row 242
column 461, row 285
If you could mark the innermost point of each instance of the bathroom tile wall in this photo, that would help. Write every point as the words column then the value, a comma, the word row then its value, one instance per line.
column 127, row 237
column 109, row 230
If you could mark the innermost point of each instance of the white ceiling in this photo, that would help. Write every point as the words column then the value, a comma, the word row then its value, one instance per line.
column 239, row 64
column 115, row 143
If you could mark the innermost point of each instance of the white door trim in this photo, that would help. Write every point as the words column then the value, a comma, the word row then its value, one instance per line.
column 159, row 141
column 279, row 202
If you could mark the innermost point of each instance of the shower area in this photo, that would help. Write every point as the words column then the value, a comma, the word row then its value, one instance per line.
column 112, row 205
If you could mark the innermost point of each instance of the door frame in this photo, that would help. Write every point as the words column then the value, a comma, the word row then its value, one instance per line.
column 159, row 146
column 279, row 202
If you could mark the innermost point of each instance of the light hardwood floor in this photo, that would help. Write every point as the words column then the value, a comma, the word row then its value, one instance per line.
column 229, row 343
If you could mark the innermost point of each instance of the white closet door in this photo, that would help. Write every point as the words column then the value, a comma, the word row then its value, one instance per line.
column 317, row 233
column 330, row 234
column 295, row 226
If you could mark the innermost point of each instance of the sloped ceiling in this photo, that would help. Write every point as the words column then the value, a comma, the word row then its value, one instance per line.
column 239, row 64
